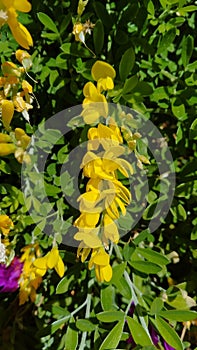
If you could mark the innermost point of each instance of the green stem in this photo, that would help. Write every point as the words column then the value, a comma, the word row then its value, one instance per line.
column 134, row 295
column 87, row 315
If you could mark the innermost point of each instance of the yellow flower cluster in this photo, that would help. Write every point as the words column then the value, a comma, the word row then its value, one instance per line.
column 8, row 14
column 34, row 268
column 105, row 196
column 6, row 224
column 95, row 103
column 15, row 91
column 16, row 142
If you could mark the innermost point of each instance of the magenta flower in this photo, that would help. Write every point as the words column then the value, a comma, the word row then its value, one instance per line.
column 10, row 275
column 167, row 346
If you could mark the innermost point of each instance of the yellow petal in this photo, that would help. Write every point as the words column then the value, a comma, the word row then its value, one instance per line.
column 89, row 89
column 101, row 259
column 106, row 273
column 59, row 268
column 40, row 272
column 25, row 140
column 90, row 239
column 21, row 55
column 41, row 263
column 19, row 133
column 27, row 87
column 6, row 149
column 22, row 5
column 5, row 138
column 52, row 258
column 98, row 274
column 9, row 69
column 87, row 220
column 102, row 69
column 19, row 32
column 7, row 112
column 121, row 205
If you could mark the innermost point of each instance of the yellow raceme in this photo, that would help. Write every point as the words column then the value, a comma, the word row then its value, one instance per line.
column 34, row 268
column 105, row 198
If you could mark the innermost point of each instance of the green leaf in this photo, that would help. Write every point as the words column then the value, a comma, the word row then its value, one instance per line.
column 187, row 49
column 71, row 337
column 167, row 39
column 168, row 333
column 63, row 285
column 75, row 49
column 143, row 235
column 113, row 338
column 108, row 298
column 156, row 306
column 51, row 190
column 153, row 256
column 178, row 108
column 47, row 22
column 179, row 315
column 193, row 130
column 138, row 332
column 126, row 63
column 85, row 325
column 118, row 271
column 110, row 316
column 145, row 267
column 98, row 37
column 130, row 84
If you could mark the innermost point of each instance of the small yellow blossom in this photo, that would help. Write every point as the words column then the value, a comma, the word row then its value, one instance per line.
column 81, row 29
column 104, row 74
column 29, row 279
column 6, row 224
column 6, row 149
column 8, row 14
column 7, row 112
column 94, row 104
column 100, row 260
column 87, row 220
column 49, row 261
column 89, row 237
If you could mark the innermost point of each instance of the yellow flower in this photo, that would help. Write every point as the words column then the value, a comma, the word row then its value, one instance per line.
column 78, row 30
column 94, row 104
column 6, row 149
column 22, row 55
column 100, row 260
column 81, row 29
column 6, row 224
column 104, row 74
column 23, row 141
column 83, row 252
column 7, row 112
column 89, row 237
column 110, row 230
column 104, row 165
column 107, row 136
column 29, row 280
column 49, row 261
column 9, row 15
column 87, row 220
